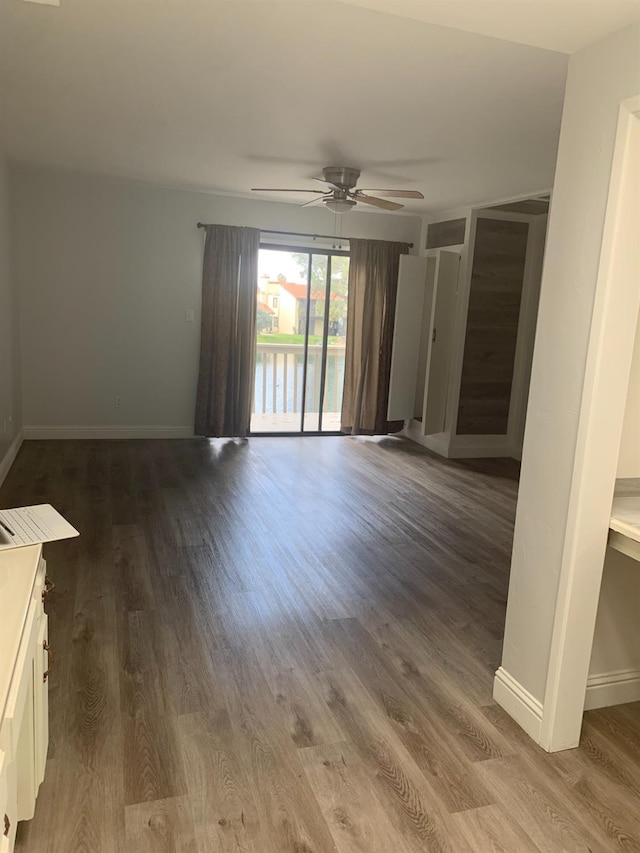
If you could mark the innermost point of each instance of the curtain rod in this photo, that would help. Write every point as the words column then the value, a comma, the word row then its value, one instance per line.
column 300, row 234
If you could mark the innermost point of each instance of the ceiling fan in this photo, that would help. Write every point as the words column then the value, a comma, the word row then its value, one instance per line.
column 342, row 194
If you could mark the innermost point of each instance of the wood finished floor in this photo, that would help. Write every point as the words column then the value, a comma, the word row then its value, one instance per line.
column 287, row 646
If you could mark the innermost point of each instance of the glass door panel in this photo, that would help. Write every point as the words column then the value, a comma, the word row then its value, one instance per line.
column 315, row 338
column 280, row 335
column 336, row 338
column 300, row 329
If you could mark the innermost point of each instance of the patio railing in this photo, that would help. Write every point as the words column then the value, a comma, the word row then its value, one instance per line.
column 280, row 375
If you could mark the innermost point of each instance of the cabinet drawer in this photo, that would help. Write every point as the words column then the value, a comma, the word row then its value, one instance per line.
column 4, row 789
column 25, row 763
column 43, row 662
column 39, row 586
column 8, row 804
column 22, row 680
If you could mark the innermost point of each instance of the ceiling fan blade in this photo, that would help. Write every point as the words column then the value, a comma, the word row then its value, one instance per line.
column 378, row 202
column 328, row 183
column 313, row 201
column 282, row 190
column 396, row 193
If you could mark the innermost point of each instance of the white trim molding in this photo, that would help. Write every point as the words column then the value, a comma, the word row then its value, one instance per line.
column 525, row 709
column 612, row 688
column 107, row 431
column 613, row 329
column 438, row 443
column 480, row 446
column 8, row 459
column 462, row 446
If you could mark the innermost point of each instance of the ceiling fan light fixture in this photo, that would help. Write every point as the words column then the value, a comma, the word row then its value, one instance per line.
column 339, row 205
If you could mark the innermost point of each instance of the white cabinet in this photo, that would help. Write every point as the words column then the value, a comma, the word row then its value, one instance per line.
column 422, row 341
column 41, row 700
column 475, row 343
column 24, row 731
column 7, row 832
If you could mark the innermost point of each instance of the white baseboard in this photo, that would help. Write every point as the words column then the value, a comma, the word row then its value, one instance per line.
column 612, row 688
column 40, row 432
column 7, row 460
column 525, row 709
column 438, row 443
column 462, row 446
column 480, row 446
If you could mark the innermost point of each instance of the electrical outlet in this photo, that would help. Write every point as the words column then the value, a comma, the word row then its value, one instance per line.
column 117, row 402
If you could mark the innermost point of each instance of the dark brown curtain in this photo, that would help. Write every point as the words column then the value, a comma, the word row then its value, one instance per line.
column 228, row 332
column 373, row 285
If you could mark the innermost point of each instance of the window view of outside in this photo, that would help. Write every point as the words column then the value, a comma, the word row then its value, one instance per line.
column 292, row 318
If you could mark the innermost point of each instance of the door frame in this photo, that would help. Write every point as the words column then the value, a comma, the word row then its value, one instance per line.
column 613, row 329
column 307, row 250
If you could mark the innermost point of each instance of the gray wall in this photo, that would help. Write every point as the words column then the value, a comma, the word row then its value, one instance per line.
column 629, row 460
column 9, row 338
column 107, row 269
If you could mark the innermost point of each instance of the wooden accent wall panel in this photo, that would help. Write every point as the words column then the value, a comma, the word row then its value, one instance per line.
column 449, row 233
column 492, row 326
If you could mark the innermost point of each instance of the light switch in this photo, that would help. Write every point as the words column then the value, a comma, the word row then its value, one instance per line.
column 190, row 315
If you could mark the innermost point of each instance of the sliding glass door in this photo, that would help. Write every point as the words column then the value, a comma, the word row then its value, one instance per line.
column 300, row 341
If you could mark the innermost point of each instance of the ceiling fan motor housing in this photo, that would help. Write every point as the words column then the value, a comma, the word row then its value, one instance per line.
column 345, row 177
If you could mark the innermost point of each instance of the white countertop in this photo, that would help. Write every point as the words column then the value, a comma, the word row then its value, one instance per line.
column 625, row 517
column 18, row 568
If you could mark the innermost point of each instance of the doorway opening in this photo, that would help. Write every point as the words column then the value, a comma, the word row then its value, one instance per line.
column 301, row 327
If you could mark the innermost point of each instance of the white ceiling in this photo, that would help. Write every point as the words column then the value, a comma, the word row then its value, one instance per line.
column 224, row 95
column 564, row 25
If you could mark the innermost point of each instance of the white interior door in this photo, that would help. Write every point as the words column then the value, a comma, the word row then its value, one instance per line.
column 412, row 276
column 440, row 344
column 425, row 337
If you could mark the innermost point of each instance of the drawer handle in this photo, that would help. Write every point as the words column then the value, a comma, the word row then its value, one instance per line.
column 7, row 825
column 48, row 587
column 50, row 659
